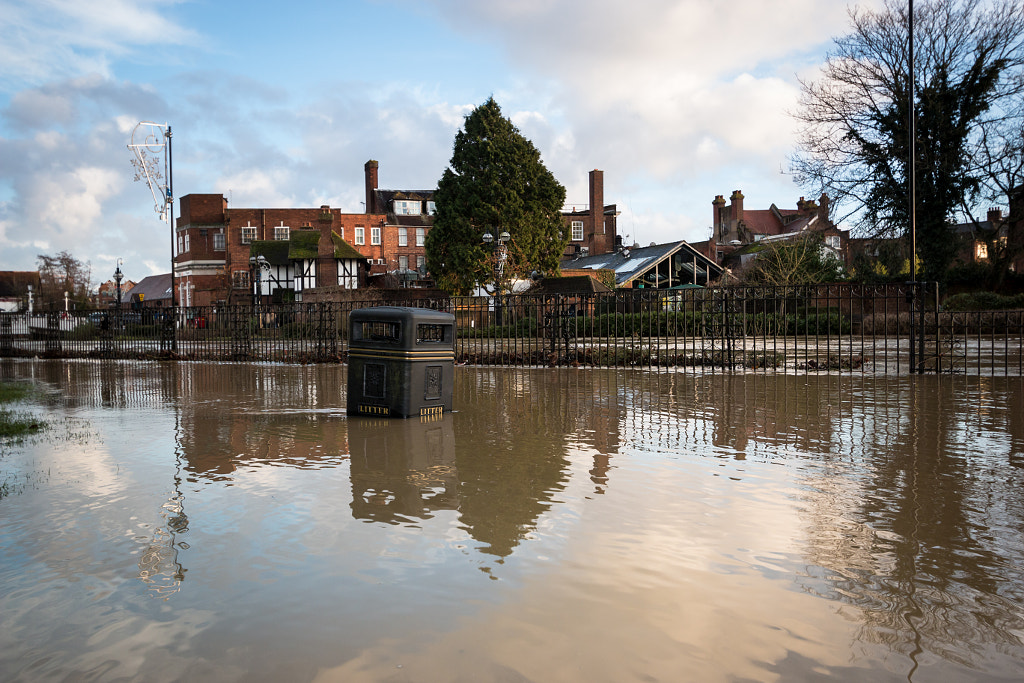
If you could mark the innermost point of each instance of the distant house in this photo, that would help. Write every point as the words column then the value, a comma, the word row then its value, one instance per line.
column 735, row 228
column 998, row 238
column 659, row 266
column 151, row 292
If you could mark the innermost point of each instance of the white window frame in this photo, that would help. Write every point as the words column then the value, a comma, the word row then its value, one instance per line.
column 360, row 235
column 403, row 237
column 421, row 237
column 375, row 236
column 577, row 231
column 408, row 207
column 282, row 232
column 219, row 243
column 431, row 207
column 421, row 262
column 248, row 233
column 403, row 262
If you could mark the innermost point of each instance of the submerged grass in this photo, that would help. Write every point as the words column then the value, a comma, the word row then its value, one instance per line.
column 15, row 425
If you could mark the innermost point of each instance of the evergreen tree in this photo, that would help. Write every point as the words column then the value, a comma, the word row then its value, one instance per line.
column 496, row 182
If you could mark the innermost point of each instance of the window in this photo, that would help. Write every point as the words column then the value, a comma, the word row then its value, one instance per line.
column 421, row 263
column 374, row 235
column 248, row 233
column 281, row 232
column 577, row 231
column 360, row 235
column 408, row 207
column 421, row 237
column 219, row 243
column 431, row 207
column 403, row 237
column 403, row 263
column 981, row 251
column 832, row 241
column 240, row 279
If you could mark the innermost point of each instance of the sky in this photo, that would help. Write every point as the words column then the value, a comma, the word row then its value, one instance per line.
column 281, row 104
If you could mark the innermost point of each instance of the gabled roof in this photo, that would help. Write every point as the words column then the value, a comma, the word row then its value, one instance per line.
column 635, row 263
column 344, row 250
column 275, row 251
column 572, row 284
column 301, row 245
column 153, row 288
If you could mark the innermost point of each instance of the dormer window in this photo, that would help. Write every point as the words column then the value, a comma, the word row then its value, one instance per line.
column 408, row 207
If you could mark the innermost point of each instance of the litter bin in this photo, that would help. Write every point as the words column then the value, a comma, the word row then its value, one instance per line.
column 401, row 361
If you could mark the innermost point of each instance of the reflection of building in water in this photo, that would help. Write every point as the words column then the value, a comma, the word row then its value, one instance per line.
column 239, row 415
column 402, row 470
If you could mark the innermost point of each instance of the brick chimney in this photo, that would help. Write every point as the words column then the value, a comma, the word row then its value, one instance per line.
column 370, row 171
column 717, row 219
column 995, row 215
column 597, row 212
column 736, row 205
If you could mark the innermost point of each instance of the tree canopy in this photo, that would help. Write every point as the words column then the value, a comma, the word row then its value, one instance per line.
column 799, row 260
column 496, row 182
column 968, row 83
column 63, row 273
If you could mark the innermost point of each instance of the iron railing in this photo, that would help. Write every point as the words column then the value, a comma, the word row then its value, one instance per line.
column 885, row 329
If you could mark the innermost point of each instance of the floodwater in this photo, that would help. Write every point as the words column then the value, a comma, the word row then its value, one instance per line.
column 207, row 522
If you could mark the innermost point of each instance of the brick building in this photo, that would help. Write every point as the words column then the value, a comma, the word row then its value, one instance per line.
column 303, row 248
column 592, row 229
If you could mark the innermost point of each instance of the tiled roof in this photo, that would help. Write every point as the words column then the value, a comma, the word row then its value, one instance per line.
column 153, row 288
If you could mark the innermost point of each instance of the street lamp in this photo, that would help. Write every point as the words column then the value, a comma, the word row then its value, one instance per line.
column 65, row 302
column 257, row 265
column 118, row 276
column 30, row 299
column 496, row 241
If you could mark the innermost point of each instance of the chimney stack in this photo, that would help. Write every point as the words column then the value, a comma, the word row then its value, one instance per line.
column 370, row 171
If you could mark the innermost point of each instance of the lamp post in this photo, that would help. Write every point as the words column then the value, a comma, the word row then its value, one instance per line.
column 30, row 299
column 257, row 264
column 65, row 303
column 118, row 276
column 496, row 241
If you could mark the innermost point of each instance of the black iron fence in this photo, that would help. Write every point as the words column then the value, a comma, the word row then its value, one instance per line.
column 838, row 327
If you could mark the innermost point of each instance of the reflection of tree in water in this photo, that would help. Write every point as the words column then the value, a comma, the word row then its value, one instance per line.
column 510, row 454
column 929, row 548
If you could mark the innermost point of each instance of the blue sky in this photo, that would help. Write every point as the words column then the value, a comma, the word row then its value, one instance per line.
column 280, row 105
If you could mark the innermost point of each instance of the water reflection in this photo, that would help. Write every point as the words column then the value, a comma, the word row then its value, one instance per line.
column 654, row 508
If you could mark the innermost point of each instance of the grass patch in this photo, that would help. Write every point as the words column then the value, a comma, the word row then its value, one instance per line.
column 15, row 425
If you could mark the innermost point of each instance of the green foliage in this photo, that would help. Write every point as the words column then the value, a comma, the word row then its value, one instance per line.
column 669, row 324
column 982, row 301
column 495, row 181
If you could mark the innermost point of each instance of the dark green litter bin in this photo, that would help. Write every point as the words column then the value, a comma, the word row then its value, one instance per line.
column 401, row 361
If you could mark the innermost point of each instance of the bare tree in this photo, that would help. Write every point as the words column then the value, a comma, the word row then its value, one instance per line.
column 968, row 84
column 64, row 273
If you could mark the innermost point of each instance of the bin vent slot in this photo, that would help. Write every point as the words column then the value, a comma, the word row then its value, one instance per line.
column 374, row 380
column 432, row 382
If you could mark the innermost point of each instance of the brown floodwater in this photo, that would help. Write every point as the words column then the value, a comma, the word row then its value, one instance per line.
column 228, row 522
